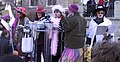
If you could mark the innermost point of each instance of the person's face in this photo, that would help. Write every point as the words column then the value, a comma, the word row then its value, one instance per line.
column 57, row 13
column 70, row 12
column 39, row 15
column 100, row 14
column 20, row 14
column 1, row 26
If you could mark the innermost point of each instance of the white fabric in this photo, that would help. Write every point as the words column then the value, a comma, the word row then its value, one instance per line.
column 0, row 33
column 84, row 1
column 12, row 18
column 27, row 44
column 59, row 7
column 42, row 58
column 56, row 21
column 93, row 27
column 5, row 24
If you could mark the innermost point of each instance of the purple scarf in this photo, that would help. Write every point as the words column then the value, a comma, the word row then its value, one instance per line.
column 15, row 23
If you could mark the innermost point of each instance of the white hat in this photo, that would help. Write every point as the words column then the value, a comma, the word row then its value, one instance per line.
column 59, row 7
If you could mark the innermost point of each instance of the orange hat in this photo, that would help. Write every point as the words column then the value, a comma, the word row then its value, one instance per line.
column 22, row 10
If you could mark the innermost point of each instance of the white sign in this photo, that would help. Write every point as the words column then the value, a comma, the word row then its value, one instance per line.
column 117, row 9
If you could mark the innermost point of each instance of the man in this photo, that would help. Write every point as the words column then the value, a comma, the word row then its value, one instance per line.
column 3, row 42
column 100, row 20
column 90, row 7
column 11, row 58
column 75, row 28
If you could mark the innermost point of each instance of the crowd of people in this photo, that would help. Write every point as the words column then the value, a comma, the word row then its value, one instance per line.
column 68, row 37
column 107, row 4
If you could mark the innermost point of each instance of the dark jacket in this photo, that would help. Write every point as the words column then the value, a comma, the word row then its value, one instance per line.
column 75, row 29
column 3, row 46
column 40, row 39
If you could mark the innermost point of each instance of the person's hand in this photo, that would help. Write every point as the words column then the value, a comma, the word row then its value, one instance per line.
column 66, row 13
column 1, row 27
column 105, row 33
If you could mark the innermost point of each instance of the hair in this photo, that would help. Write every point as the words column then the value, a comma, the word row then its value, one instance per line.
column 23, row 15
column 11, row 58
column 106, row 51
column 42, row 13
column 66, row 13
column 4, row 33
column 57, row 10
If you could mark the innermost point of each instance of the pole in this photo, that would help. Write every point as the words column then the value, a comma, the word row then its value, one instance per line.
column 11, row 41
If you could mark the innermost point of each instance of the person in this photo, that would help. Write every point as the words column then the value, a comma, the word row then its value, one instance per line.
column 91, row 7
column 106, row 51
column 74, row 26
column 22, row 21
column 56, row 41
column 4, row 42
column 5, row 46
column 99, row 20
column 108, row 4
column 101, row 2
column 11, row 58
column 40, row 14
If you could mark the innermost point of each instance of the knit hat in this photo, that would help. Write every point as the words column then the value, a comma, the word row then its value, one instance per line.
column 73, row 7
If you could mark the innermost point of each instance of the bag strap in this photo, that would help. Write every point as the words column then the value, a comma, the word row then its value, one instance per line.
column 26, row 35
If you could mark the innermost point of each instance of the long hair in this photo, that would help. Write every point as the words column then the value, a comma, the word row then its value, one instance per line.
column 42, row 13
column 57, row 10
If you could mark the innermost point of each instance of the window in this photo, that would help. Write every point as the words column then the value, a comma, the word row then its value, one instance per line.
column 33, row 3
column 42, row 2
column 51, row 2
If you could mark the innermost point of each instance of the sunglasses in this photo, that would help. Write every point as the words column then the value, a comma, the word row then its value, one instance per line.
column 19, row 12
column 100, row 12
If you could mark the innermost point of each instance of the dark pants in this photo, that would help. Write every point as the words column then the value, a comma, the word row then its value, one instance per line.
column 60, row 48
column 40, row 49
column 4, row 46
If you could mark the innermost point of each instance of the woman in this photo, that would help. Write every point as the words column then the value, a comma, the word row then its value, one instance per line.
column 40, row 14
column 22, row 21
column 4, row 34
column 74, row 26
column 56, row 42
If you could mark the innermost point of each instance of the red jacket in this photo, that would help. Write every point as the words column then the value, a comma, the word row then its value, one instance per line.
column 101, row 2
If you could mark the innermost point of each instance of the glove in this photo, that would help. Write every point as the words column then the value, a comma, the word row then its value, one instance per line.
column 88, row 41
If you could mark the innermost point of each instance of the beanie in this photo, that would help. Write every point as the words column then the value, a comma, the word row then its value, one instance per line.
column 73, row 7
